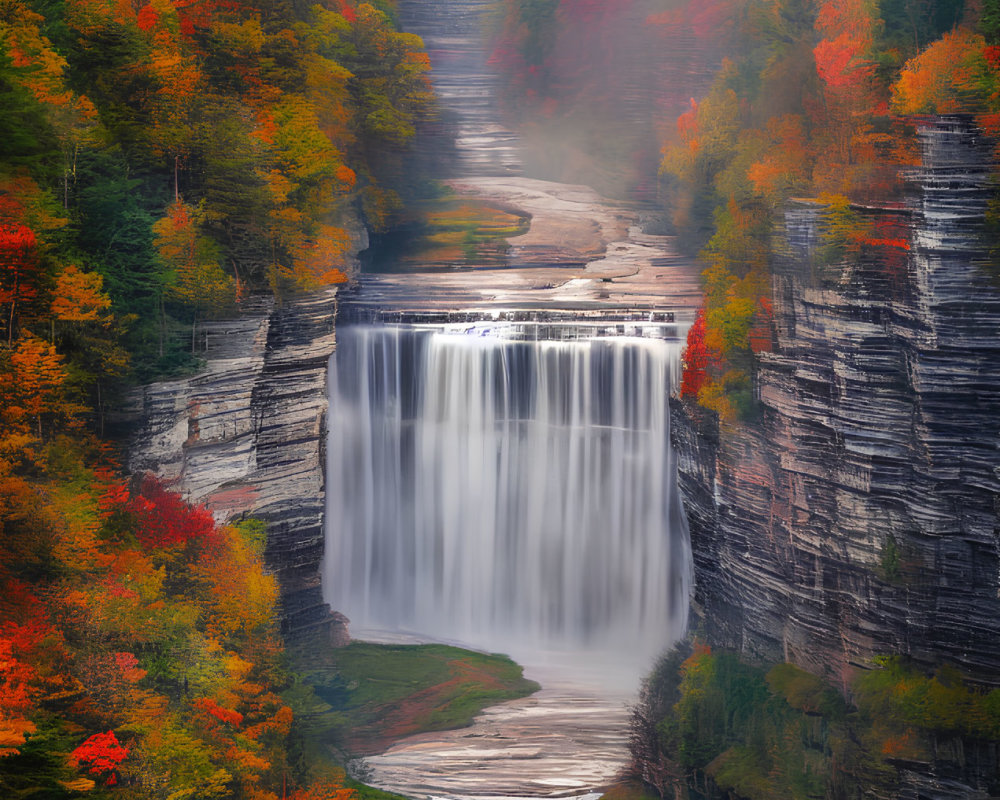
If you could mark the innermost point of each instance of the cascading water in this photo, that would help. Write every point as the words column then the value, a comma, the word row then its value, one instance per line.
column 506, row 485
column 511, row 484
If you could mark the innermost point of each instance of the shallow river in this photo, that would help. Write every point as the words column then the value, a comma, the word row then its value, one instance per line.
column 567, row 740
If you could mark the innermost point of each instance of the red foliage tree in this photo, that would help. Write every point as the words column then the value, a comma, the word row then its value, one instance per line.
column 18, row 263
column 166, row 520
column 847, row 29
column 147, row 18
column 231, row 718
column 697, row 358
column 100, row 754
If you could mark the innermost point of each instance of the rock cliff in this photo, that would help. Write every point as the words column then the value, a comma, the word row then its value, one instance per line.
column 246, row 438
column 859, row 515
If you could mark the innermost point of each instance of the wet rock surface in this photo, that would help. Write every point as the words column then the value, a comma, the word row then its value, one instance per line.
column 582, row 254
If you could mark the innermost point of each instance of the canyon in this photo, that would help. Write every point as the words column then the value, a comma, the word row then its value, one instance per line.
column 855, row 518
column 589, row 297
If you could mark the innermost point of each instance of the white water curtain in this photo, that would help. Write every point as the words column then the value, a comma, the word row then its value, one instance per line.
column 512, row 491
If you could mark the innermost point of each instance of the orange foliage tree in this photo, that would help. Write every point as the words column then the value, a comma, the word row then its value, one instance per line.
column 36, row 389
column 327, row 790
column 16, row 698
column 79, row 297
column 951, row 75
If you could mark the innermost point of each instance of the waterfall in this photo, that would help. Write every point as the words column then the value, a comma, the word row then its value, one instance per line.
column 506, row 485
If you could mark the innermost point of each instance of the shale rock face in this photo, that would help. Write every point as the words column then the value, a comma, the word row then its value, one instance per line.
column 859, row 517
column 246, row 437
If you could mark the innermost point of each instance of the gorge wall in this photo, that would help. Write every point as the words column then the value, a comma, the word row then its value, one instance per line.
column 246, row 437
column 859, row 516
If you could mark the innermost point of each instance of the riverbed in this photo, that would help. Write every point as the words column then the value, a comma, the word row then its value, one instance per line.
column 567, row 740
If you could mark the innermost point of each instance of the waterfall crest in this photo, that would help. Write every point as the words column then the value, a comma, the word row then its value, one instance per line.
column 511, row 486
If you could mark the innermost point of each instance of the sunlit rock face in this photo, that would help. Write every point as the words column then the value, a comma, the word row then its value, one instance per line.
column 859, row 516
column 508, row 485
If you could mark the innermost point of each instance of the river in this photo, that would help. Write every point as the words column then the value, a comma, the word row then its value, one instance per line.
column 567, row 740
column 499, row 466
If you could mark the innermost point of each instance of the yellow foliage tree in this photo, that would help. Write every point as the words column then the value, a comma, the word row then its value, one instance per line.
column 197, row 278
column 79, row 296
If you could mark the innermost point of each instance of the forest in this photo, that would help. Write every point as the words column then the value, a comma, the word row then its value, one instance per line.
column 724, row 728
column 801, row 100
column 162, row 163
column 168, row 162
column 818, row 103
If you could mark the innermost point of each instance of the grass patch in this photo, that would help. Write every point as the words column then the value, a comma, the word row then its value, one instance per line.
column 377, row 694
column 363, row 791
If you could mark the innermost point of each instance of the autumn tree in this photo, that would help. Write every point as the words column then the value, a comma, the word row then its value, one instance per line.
column 16, row 699
column 327, row 790
column 195, row 276
column 100, row 755
column 176, row 106
column 697, row 359
column 18, row 268
column 71, row 117
column 36, row 397
column 79, row 297
column 951, row 75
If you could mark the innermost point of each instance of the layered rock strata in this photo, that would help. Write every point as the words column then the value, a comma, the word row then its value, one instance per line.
column 859, row 516
column 246, row 438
